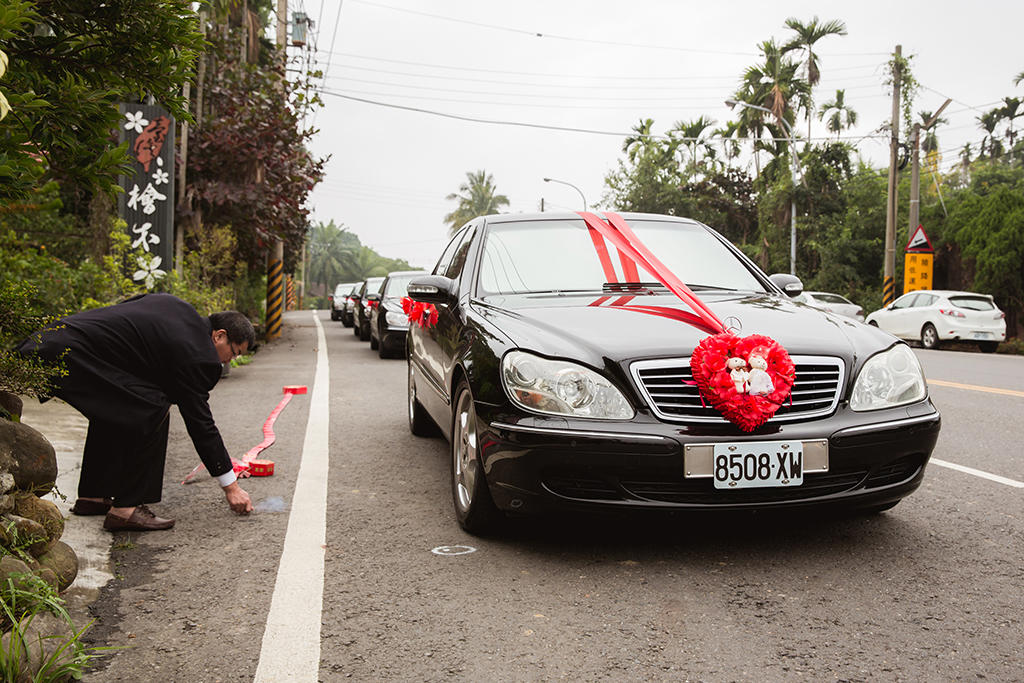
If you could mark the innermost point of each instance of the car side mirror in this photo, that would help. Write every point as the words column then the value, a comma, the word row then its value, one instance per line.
column 373, row 297
column 790, row 284
column 432, row 289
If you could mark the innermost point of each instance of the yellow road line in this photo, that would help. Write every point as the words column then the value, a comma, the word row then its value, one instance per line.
column 974, row 387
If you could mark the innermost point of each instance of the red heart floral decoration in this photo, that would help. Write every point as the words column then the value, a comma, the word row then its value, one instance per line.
column 746, row 379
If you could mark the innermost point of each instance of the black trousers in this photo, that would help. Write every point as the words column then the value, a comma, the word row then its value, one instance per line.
column 124, row 465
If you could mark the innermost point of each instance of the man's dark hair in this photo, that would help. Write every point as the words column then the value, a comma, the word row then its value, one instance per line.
column 238, row 327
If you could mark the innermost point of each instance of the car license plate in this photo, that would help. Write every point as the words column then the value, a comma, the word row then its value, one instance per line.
column 980, row 335
column 758, row 464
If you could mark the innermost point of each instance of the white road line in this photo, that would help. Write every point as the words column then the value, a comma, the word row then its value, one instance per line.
column 978, row 473
column 291, row 641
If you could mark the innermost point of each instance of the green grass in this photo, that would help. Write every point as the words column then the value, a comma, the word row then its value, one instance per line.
column 22, row 599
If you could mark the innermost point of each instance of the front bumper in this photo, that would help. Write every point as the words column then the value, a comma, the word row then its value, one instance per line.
column 535, row 462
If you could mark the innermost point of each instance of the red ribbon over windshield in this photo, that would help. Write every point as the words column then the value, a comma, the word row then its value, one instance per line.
column 622, row 237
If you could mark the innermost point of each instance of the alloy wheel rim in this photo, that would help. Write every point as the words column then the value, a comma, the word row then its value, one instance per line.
column 929, row 336
column 464, row 452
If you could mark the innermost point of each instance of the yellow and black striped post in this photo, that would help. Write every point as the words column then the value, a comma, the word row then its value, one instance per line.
column 289, row 302
column 888, row 291
column 275, row 291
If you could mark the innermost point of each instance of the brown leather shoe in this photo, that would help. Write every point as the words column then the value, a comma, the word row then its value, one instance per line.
column 90, row 507
column 141, row 519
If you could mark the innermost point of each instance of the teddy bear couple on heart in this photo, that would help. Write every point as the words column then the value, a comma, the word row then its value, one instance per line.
column 754, row 381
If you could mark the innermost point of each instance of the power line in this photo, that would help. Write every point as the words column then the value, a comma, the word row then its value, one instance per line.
column 552, row 36
column 522, row 124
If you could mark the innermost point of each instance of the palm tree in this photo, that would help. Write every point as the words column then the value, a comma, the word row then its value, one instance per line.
column 1011, row 111
column 840, row 115
column 727, row 135
column 772, row 84
column 930, row 143
column 478, row 198
column 988, row 122
column 806, row 36
column 329, row 258
column 1019, row 78
column 694, row 135
column 634, row 143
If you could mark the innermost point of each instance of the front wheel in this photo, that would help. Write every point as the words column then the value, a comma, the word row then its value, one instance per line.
column 364, row 332
column 929, row 337
column 474, row 508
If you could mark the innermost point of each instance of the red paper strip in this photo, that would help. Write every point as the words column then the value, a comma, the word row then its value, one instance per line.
column 241, row 467
column 620, row 235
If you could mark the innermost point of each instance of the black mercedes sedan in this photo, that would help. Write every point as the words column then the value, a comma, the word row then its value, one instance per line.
column 565, row 369
column 388, row 322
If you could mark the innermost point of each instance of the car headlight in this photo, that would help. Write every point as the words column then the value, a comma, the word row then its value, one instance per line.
column 888, row 379
column 397, row 319
column 561, row 388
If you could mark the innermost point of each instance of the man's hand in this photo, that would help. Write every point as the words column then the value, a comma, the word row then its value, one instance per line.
column 238, row 499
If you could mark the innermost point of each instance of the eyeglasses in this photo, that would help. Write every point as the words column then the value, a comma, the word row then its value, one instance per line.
column 235, row 352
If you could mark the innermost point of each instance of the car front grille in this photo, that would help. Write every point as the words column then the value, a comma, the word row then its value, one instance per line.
column 668, row 388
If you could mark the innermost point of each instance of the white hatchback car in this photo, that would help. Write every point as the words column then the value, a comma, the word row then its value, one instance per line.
column 832, row 302
column 937, row 316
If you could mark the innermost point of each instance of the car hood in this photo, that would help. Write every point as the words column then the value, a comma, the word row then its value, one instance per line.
column 595, row 331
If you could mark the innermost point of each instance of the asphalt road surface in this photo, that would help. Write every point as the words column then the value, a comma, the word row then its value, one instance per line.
column 354, row 569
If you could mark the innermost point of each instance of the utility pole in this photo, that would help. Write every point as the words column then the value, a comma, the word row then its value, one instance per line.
column 915, row 169
column 275, row 262
column 889, row 267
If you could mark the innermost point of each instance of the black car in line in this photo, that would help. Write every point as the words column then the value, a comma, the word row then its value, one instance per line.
column 361, row 314
column 388, row 321
column 555, row 387
column 339, row 299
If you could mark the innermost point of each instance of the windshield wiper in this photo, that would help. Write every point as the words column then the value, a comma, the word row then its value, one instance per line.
column 635, row 287
column 721, row 289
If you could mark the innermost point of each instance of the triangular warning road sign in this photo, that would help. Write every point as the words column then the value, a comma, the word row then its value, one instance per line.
column 919, row 241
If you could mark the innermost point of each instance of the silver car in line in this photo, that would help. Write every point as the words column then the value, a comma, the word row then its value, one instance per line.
column 833, row 303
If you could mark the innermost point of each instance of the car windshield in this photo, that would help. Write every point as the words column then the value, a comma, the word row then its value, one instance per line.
column 560, row 256
column 398, row 285
column 973, row 303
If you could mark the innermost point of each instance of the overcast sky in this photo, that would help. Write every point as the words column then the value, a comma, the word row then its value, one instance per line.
column 600, row 66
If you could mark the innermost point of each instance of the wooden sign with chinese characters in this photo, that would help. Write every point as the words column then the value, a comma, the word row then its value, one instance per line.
column 917, row 262
column 147, row 203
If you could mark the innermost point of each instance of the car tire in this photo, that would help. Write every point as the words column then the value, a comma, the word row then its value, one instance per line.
column 474, row 509
column 420, row 423
column 364, row 332
column 374, row 344
column 988, row 346
column 930, row 337
column 873, row 323
column 345, row 321
column 355, row 326
column 334, row 315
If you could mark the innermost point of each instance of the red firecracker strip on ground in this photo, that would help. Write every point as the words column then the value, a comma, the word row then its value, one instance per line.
column 249, row 465
column 746, row 379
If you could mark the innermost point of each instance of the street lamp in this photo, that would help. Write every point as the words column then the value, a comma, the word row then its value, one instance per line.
column 793, row 159
column 553, row 180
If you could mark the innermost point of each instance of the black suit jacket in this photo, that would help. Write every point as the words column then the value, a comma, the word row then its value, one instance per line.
column 127, row 364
